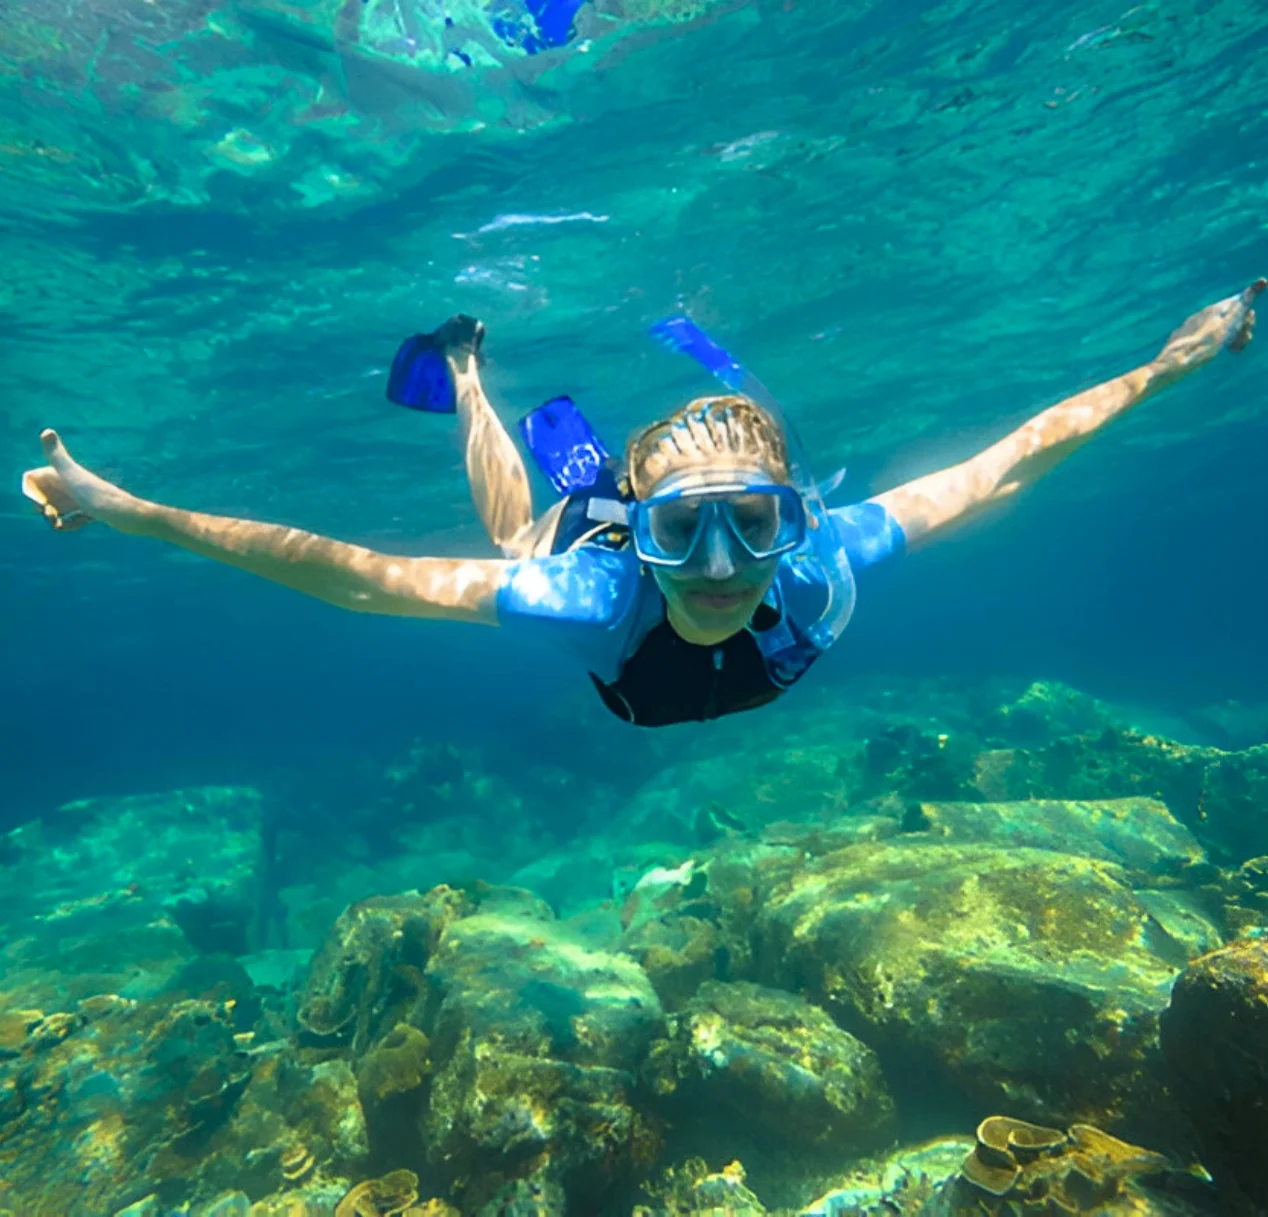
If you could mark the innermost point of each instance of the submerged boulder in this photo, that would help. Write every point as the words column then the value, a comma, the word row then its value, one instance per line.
column 1022, row 975
column 691, row 1189
column 368, row 974
column 537, row 1041
column 1215, row 1041
column 1016, row 1169
column 1216, row 794
column 1138, row 833
column 762, row 1074
column 489, row 1043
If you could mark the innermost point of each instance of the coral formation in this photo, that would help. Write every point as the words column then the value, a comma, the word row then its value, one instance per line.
column 1020, row 1168
column 792, row 957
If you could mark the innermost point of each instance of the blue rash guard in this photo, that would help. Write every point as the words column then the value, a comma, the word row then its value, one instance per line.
column 598, row 601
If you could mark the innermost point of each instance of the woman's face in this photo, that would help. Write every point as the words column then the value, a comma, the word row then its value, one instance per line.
column 717, row 590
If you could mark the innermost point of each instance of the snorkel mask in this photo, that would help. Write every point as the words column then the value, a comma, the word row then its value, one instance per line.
column 817, row 539
column 764, row 519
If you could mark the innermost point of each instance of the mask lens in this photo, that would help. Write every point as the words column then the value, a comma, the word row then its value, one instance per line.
column 755, row 519
column 673, row 525
column 765, row 520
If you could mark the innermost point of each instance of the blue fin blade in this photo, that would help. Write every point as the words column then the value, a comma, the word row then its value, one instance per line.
column 420, row 377
column 564, row 445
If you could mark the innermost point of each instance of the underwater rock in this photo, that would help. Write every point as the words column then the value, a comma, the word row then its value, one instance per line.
column 1244, row 896
column 902, row 1184
column 488, row 1041
column 368, row 974
column 1137, row 833
column 117, row 1099
column 694, row 923
column 725, row 1190
column 1015, row 1169
column 297, row 1133
column 1021, row 975
column 679, row 952
column 910, row 763
column 762, row 1073
column 768, row 780
column 672, row 927
column 1215, row 1042
column 691, row 1189
column 536, row 1040
column 1218, row 795
column 1049, row 710
column 191, row 1096
column 87, row 892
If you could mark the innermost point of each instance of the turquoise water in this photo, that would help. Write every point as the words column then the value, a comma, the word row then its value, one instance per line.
column 920, row 222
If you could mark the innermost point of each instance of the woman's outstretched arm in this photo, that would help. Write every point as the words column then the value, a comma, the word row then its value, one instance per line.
column 349, row 576
column 928, row 504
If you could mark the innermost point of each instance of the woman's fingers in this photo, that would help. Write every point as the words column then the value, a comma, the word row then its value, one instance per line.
column 45, row 488
column 1228, row 323
column 1246, row 329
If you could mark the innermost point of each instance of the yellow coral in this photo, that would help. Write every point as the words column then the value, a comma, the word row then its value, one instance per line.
column 391, row 1196
column 297, row 1162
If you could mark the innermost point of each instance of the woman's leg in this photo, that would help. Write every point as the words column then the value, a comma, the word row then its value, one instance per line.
column 495, row 469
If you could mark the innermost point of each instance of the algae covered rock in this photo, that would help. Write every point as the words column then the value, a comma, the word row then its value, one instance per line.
column 368, row 974
column 1023, row 975
column 114, row 1099
column 1215, row 1042
column 1139, row 833
column 691, row 1189
column 758, row 1069
column 489, row 1044
column 536, row 1041
column 902, row 1184
column 1218, row 795
column 673, row 928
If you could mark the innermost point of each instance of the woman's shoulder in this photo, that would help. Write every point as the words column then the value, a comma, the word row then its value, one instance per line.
column 868, row 533
column 590, row 584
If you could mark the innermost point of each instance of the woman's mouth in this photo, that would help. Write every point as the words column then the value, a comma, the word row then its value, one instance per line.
column 718, row 602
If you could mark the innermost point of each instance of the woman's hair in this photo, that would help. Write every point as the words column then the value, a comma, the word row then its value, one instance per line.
column 706, row 432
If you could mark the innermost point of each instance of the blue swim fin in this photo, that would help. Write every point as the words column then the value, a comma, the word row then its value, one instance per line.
column 420, row 376
column 565, row 447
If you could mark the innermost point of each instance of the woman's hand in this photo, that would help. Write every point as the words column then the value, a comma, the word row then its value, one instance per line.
column 68, row 496
column 1230, row 323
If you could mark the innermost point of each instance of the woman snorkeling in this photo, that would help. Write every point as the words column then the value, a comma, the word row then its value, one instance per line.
column 699, row 578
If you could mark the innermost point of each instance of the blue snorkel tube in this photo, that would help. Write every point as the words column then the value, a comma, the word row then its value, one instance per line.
column 683, row 335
